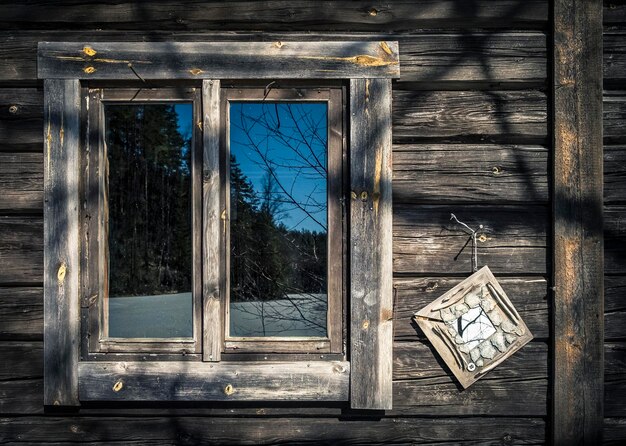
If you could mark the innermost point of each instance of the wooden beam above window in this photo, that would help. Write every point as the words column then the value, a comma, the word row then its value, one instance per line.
column 218, row 60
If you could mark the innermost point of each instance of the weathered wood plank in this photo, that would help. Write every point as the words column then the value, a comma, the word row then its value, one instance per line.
column 211, row 222
column 614, row 12
column 614, row 431
column 217, row 60
column 23, row 360
column 319, row 430
column 371, row 299
column 21, row 182
column 512, row 241
column 615, row 236
column 615, row 307
column 614, row 65
column 278, row 15
column 21, row 113
column 21, row 313
column 577, row 366
column 417, row 370
column 516, row 387
column 503, row 57
column 470, row 116
column 61, row 241
column 528, row 295
column 21, row 249
column 199, row 381
column 425, row 173
column 615, row 174
column 615, row 377
column 614, row 116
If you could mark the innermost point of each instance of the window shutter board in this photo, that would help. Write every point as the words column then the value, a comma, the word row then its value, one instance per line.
column 211, row 219
column 371, row 286
column 61, row 241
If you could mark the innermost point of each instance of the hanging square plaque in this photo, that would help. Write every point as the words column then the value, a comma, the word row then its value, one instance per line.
column 474, row 326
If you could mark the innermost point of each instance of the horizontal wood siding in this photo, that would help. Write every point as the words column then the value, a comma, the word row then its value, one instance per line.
column 615, row 215
column 470, row 136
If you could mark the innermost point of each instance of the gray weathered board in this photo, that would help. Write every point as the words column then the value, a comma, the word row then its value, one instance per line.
column 218, row 60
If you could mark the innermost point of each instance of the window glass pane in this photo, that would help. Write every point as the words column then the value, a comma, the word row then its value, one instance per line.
column 149, row 196
column 278, row 219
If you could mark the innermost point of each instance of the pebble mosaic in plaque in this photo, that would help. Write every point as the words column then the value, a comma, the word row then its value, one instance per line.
column 474, row 326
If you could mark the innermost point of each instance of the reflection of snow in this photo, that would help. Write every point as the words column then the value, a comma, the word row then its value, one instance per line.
column 162, row 316
column 170, row 316
column 296, row 315
column 474, row 327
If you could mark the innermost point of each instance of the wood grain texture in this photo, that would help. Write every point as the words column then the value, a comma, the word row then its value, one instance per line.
column 279, row 14
column 615, row 240
column 615, row 174
column 614, row 61
column 614, row 116
column 614, row 431
column 61, row 241
column 513, row 240
column 213, row 328
column 615, row 308
column 371, row 298
column 21, row 250
column 470, row 116
column 457, row 173
column 614, row 376
column 217, row 60
column 21, row 313
column 200, row 381
column 21, row 113
column 577, row 403
column 516, row 387
column 528, row 295
column 510, row 57
column 21, row 182
column 144, row 430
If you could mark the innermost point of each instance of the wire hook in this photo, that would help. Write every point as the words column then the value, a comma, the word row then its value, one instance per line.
column 473, row 234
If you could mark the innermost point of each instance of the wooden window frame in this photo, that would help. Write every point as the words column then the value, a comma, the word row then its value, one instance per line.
column 364, row 379
column 94, row 249
column 332, row 343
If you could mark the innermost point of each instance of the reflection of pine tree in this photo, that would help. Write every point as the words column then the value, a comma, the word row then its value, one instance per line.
column 149, row 200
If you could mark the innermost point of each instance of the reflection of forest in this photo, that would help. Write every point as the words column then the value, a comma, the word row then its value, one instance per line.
column 268, row 260
column 149, row 199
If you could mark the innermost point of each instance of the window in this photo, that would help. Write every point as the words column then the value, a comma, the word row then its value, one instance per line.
column 206, row 239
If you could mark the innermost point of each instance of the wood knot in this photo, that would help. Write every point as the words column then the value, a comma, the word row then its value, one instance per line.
column 364, row 196
column 373, row 12
column 89, row 51
column 365, row 325
column 195, row 71
column 61, row 272
column 229, row 390
column 118, row 386
column 482, row 238
column 89, row 70
column 13, row 109
column 278, row 44
column 496, row 170
column 353, row 195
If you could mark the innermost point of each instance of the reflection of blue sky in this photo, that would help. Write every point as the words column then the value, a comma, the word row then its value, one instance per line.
column 291, row 140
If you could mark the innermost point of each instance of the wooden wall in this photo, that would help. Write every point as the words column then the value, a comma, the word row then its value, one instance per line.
column 615, row 219
column 471, row 136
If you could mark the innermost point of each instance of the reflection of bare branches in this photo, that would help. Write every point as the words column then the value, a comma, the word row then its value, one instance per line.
column 280, row 284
